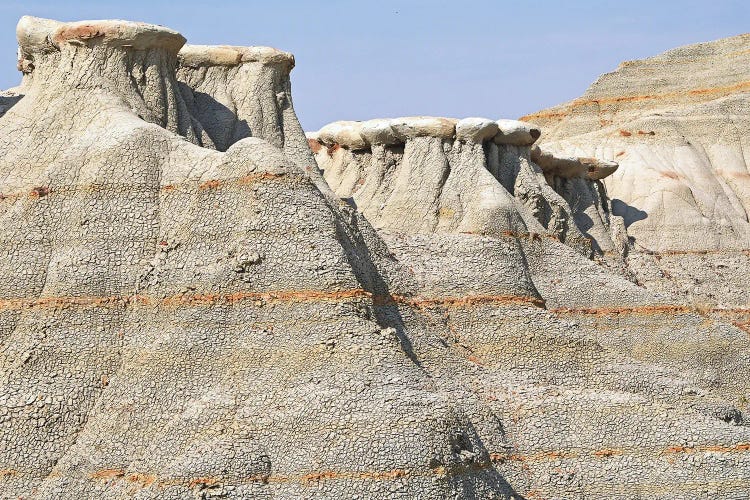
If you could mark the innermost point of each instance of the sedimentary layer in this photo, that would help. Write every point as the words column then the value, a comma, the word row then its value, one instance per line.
column 468, row 176
column 188, row 310
column 677, row 124
column 465, row 223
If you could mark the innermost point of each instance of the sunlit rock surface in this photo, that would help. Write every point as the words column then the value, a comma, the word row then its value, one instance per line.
column 678, row 125
column 188, row 310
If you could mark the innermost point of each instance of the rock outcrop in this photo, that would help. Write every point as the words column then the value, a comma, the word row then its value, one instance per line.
column 425, row 174
column 239, row 92
column 187, row 310
column 678, row 125
column 473, row 217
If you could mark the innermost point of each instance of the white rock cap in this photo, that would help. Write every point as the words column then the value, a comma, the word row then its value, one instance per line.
column 379, row 131
column 572, row 166
column 37, row 35
column 345, row 133
column 516, row 133
column 361, row 135
column 409, row 127
column 476, row 129
column 231, row 55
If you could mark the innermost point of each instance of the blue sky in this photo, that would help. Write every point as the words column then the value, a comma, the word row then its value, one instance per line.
column 365, row 59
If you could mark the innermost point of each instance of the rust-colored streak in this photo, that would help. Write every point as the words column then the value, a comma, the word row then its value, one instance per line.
column 280, row 296
column 313, row 478
column 61, row 302
column 5, row 473
column 288, row 296
column 468, row 301
column 472, row 358
column 738, row 87
column 202, row 481
column 607, row 452
column 143, row 480
column 314, row 145
column 653, row 309
column 625, row 133
column 737, row 448
column 107, row 474
column 613, row 311
column 211, row 184
column 82, row 32
column 146, row 480
column 500, row 458
column 317, row 477
column 248, row 180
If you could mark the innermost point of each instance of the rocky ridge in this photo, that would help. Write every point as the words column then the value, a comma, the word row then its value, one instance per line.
column 189, row 309
column 677, row 124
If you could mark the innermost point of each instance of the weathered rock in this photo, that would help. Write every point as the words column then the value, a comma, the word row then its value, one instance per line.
column 464, row 232
column 516, row 133
column 175, row 360
column 476, row 129
column 678, row 125
column 427, row 169
column 411, row 127
column 187, row 311
column 675, row 123
column 238, row 92
column 572, row 167
column 348, row 134
column 377, row 132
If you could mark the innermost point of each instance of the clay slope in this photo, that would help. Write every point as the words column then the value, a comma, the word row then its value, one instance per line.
column 678, row 125
column 474, row 218
column 177, row 320
column 187, row 310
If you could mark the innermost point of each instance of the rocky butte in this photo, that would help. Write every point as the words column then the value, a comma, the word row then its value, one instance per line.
column 199, row 301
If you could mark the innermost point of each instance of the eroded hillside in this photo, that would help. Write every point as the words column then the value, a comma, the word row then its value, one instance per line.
column 190, row 309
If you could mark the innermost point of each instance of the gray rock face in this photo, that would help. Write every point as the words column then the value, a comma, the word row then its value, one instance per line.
column 678, row 125
column 468, row 176
column 474, row 217
column 239, row 92
column 187, row 311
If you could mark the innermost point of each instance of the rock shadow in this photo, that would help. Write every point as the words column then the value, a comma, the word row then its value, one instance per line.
column 220, row 123
column 7, row 102
column 629, row 213
column 370, row 279
column 468, row 445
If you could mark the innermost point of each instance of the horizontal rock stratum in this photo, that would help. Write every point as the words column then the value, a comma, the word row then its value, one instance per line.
column 192, row 308
column 679, row 126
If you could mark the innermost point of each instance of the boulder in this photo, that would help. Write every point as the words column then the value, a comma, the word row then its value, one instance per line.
column 476, row 129
column 516, row 133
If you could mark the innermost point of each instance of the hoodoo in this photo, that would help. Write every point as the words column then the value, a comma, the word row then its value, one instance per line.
column 468, row 176
column 190, row 308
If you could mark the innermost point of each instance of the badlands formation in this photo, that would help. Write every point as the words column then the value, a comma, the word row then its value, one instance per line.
column 198, row 301
column 678, row 126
